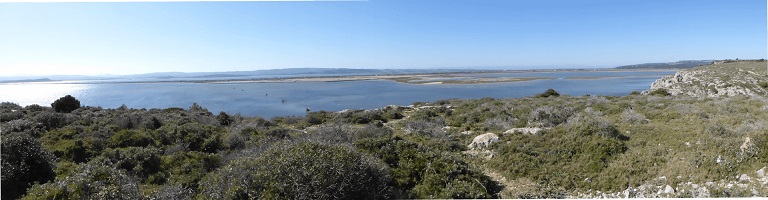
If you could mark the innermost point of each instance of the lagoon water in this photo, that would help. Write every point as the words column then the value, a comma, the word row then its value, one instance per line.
column 285, row 99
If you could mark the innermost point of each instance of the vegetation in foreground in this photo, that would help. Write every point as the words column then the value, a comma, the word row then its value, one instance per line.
column 586, row 143
column 546, row 146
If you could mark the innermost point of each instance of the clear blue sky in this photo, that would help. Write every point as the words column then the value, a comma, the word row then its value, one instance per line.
column 130, row 38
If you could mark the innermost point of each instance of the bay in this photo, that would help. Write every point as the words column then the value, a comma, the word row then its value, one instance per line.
column 293, row 98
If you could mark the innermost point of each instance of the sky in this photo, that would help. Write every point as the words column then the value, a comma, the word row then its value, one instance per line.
column 143, row 37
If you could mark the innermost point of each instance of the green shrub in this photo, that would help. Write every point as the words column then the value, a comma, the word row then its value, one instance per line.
column 188, row 168
column 10, row 111
column 423, row 172
column 194, row 136
column 51, row 120
column 563, row 156
column 130, row 138
column 69, row 145
column 763, row 84
column 34, row 129
column 34, row 108
column 660, row 92
column 301, row 171
column 315, row 118
column 24, row 162
column 136, row 161
column 89, row 181
column 550, row 116
column 346, row 134
column 548, row 93
column 66, row 104
column 224, row 119
column 172, row 192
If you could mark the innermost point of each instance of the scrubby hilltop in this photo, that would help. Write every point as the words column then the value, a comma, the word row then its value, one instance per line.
column 545, row 146
column 721, row 78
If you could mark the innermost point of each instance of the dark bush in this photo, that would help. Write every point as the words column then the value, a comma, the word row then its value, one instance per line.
column 314, row 118
column 548, row 93
column 763, row 84
column 660, row 92
column 66, row 104
column 24, row 162
column 301, row 171
column 224, row 119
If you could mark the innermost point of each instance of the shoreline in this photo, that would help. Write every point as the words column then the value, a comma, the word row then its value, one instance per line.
column 458, row 77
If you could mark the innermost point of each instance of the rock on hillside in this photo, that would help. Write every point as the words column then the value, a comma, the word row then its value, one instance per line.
column 722, row 78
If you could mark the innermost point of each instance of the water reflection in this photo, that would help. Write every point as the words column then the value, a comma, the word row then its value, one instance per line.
column 44, row 94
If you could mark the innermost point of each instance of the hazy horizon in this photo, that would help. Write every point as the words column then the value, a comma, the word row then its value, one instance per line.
column 45, row 39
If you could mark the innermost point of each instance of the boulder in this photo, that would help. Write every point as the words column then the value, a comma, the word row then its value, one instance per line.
column 746, row 145
column 483, row 141
column 761, row 173
column 524, row 131
column 744, row 177
column 668, row 190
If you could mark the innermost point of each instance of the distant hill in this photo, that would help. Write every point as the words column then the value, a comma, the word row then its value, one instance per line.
column 683, row 64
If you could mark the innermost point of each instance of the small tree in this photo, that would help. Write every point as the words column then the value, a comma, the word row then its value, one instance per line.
column 66, row 104
column 224, row 119
column 549, row 92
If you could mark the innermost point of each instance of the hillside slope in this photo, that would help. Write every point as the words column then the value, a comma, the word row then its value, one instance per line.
column 719, row 79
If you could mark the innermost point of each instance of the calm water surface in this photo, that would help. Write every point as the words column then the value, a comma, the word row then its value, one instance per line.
column 282, row 99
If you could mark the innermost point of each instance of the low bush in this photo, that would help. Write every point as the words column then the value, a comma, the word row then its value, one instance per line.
column 423, row 172
column 549, row 93
column 89, row 181
column 24, row 162
column 140, row 162
column 660, row 92
column 763, row 84
column 550, row 116
column 301, row 171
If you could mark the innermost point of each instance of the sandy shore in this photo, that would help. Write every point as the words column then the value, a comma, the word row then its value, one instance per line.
column 469, row 77
column 407, row 78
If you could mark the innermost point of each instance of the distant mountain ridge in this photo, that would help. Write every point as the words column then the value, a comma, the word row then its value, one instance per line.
column 683, row 64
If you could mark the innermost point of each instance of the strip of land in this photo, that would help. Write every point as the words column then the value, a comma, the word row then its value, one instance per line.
column 458, row 77
column 408, row 78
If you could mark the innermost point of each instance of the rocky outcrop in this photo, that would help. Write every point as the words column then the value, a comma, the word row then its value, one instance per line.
column 722, row 79
column 483, row 141
column 742, row 185
column 524, row 131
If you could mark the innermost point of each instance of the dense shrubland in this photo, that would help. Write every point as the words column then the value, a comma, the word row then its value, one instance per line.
column 586, row 144
column 176, row 153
